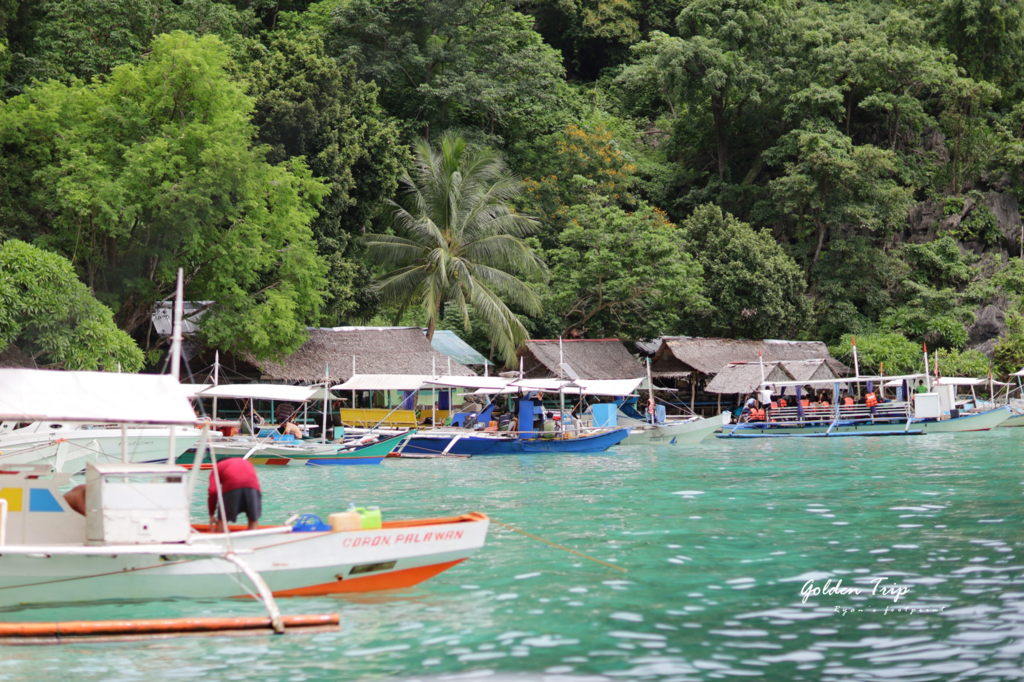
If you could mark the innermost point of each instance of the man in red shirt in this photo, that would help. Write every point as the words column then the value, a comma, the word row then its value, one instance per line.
column 241, row 490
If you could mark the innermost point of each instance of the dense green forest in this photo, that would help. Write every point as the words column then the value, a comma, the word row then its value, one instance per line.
column 780, row 169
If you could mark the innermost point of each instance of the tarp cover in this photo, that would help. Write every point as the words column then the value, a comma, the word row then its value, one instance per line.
column 384, row 382
column 104, row 397
column 261, row 392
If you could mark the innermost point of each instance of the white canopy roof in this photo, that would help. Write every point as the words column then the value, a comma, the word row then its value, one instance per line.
column 38, row 395
column 262, row 392
column 385, row 382
column 193, row 390
column 966, row 381
column 607, row 387
column 493, row 383
column 825, row 383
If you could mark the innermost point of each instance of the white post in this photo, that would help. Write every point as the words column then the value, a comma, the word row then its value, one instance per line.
column 327, row 404
column 197, row 461
column 927, row 373
column 179, row 304
column 520, row 368
column 216, row 379
column 124, row 444
column 176, row 328
column 561, row 388
column 856, row 363
column 650, row 392
column 3, row 520
column 353, row 405
column 433, row 394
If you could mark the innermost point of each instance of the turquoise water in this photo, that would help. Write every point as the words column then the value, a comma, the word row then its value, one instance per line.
column 717, row 541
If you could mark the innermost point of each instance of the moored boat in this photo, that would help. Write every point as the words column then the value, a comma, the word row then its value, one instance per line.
column 69, row 446
column 924, row 413
column 135, row 539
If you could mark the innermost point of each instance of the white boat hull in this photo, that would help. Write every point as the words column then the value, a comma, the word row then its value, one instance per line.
column 401, row 554
column 69, row 450
column 983, row 421
column 684, row 433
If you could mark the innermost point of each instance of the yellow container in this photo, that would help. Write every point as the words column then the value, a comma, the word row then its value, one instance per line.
column 349, row 520
column 371, row 518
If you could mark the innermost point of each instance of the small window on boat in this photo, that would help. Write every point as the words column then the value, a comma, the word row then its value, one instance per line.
column 370, row 568
column 56, row 426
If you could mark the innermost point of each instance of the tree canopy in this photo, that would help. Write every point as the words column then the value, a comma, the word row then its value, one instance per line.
column 865, row 159
column 50, row 316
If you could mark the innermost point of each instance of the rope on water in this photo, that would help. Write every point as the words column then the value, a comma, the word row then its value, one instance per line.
column 566, row 549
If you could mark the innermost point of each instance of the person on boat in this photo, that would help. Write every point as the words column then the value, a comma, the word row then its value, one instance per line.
column 749, row 406
column 76, row 499
column 241, row 490
column 285, row 413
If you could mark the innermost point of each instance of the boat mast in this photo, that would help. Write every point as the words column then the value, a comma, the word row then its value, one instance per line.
column 179, row 303
column 650, row 392
column 433, row 394
column 327, row 405
column 216, row 379
column 561, row 388
column 856, row 363
column 927, row 374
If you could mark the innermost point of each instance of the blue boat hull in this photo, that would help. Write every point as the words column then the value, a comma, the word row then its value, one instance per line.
column 482, row 445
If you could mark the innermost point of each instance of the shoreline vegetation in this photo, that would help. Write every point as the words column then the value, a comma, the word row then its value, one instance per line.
column 513, row 170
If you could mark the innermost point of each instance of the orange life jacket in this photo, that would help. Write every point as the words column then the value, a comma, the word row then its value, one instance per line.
column 847, row 400
column 870, row 400
column 775, row 405
column 782, row 402
column 757, row 415
column 805, row 403
column 824, row 403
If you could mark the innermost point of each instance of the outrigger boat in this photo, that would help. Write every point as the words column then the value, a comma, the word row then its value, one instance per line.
column 655, row 430
column 267, row 447
column 526, row 438
column 69, row 446
column 136, row 541
column 910, row 414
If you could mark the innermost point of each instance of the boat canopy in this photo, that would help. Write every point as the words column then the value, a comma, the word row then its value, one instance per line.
column 966, row 381
column 263, row 392
column 1018, row 374
column 193, row 390
column 103, row 397
column 604, row 387
column 385, row 382
column 824, row 383
column 493, row 383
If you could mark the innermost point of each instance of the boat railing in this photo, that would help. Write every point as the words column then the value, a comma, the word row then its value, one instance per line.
column 823, row 415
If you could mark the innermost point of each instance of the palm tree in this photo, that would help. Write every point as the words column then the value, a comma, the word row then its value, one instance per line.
column 458, row 243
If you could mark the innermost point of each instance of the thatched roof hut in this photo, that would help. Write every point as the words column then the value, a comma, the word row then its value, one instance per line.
column 679, row 355
column 745, row 377
column 809, row 370
column 377, row 350
column 589, row 358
